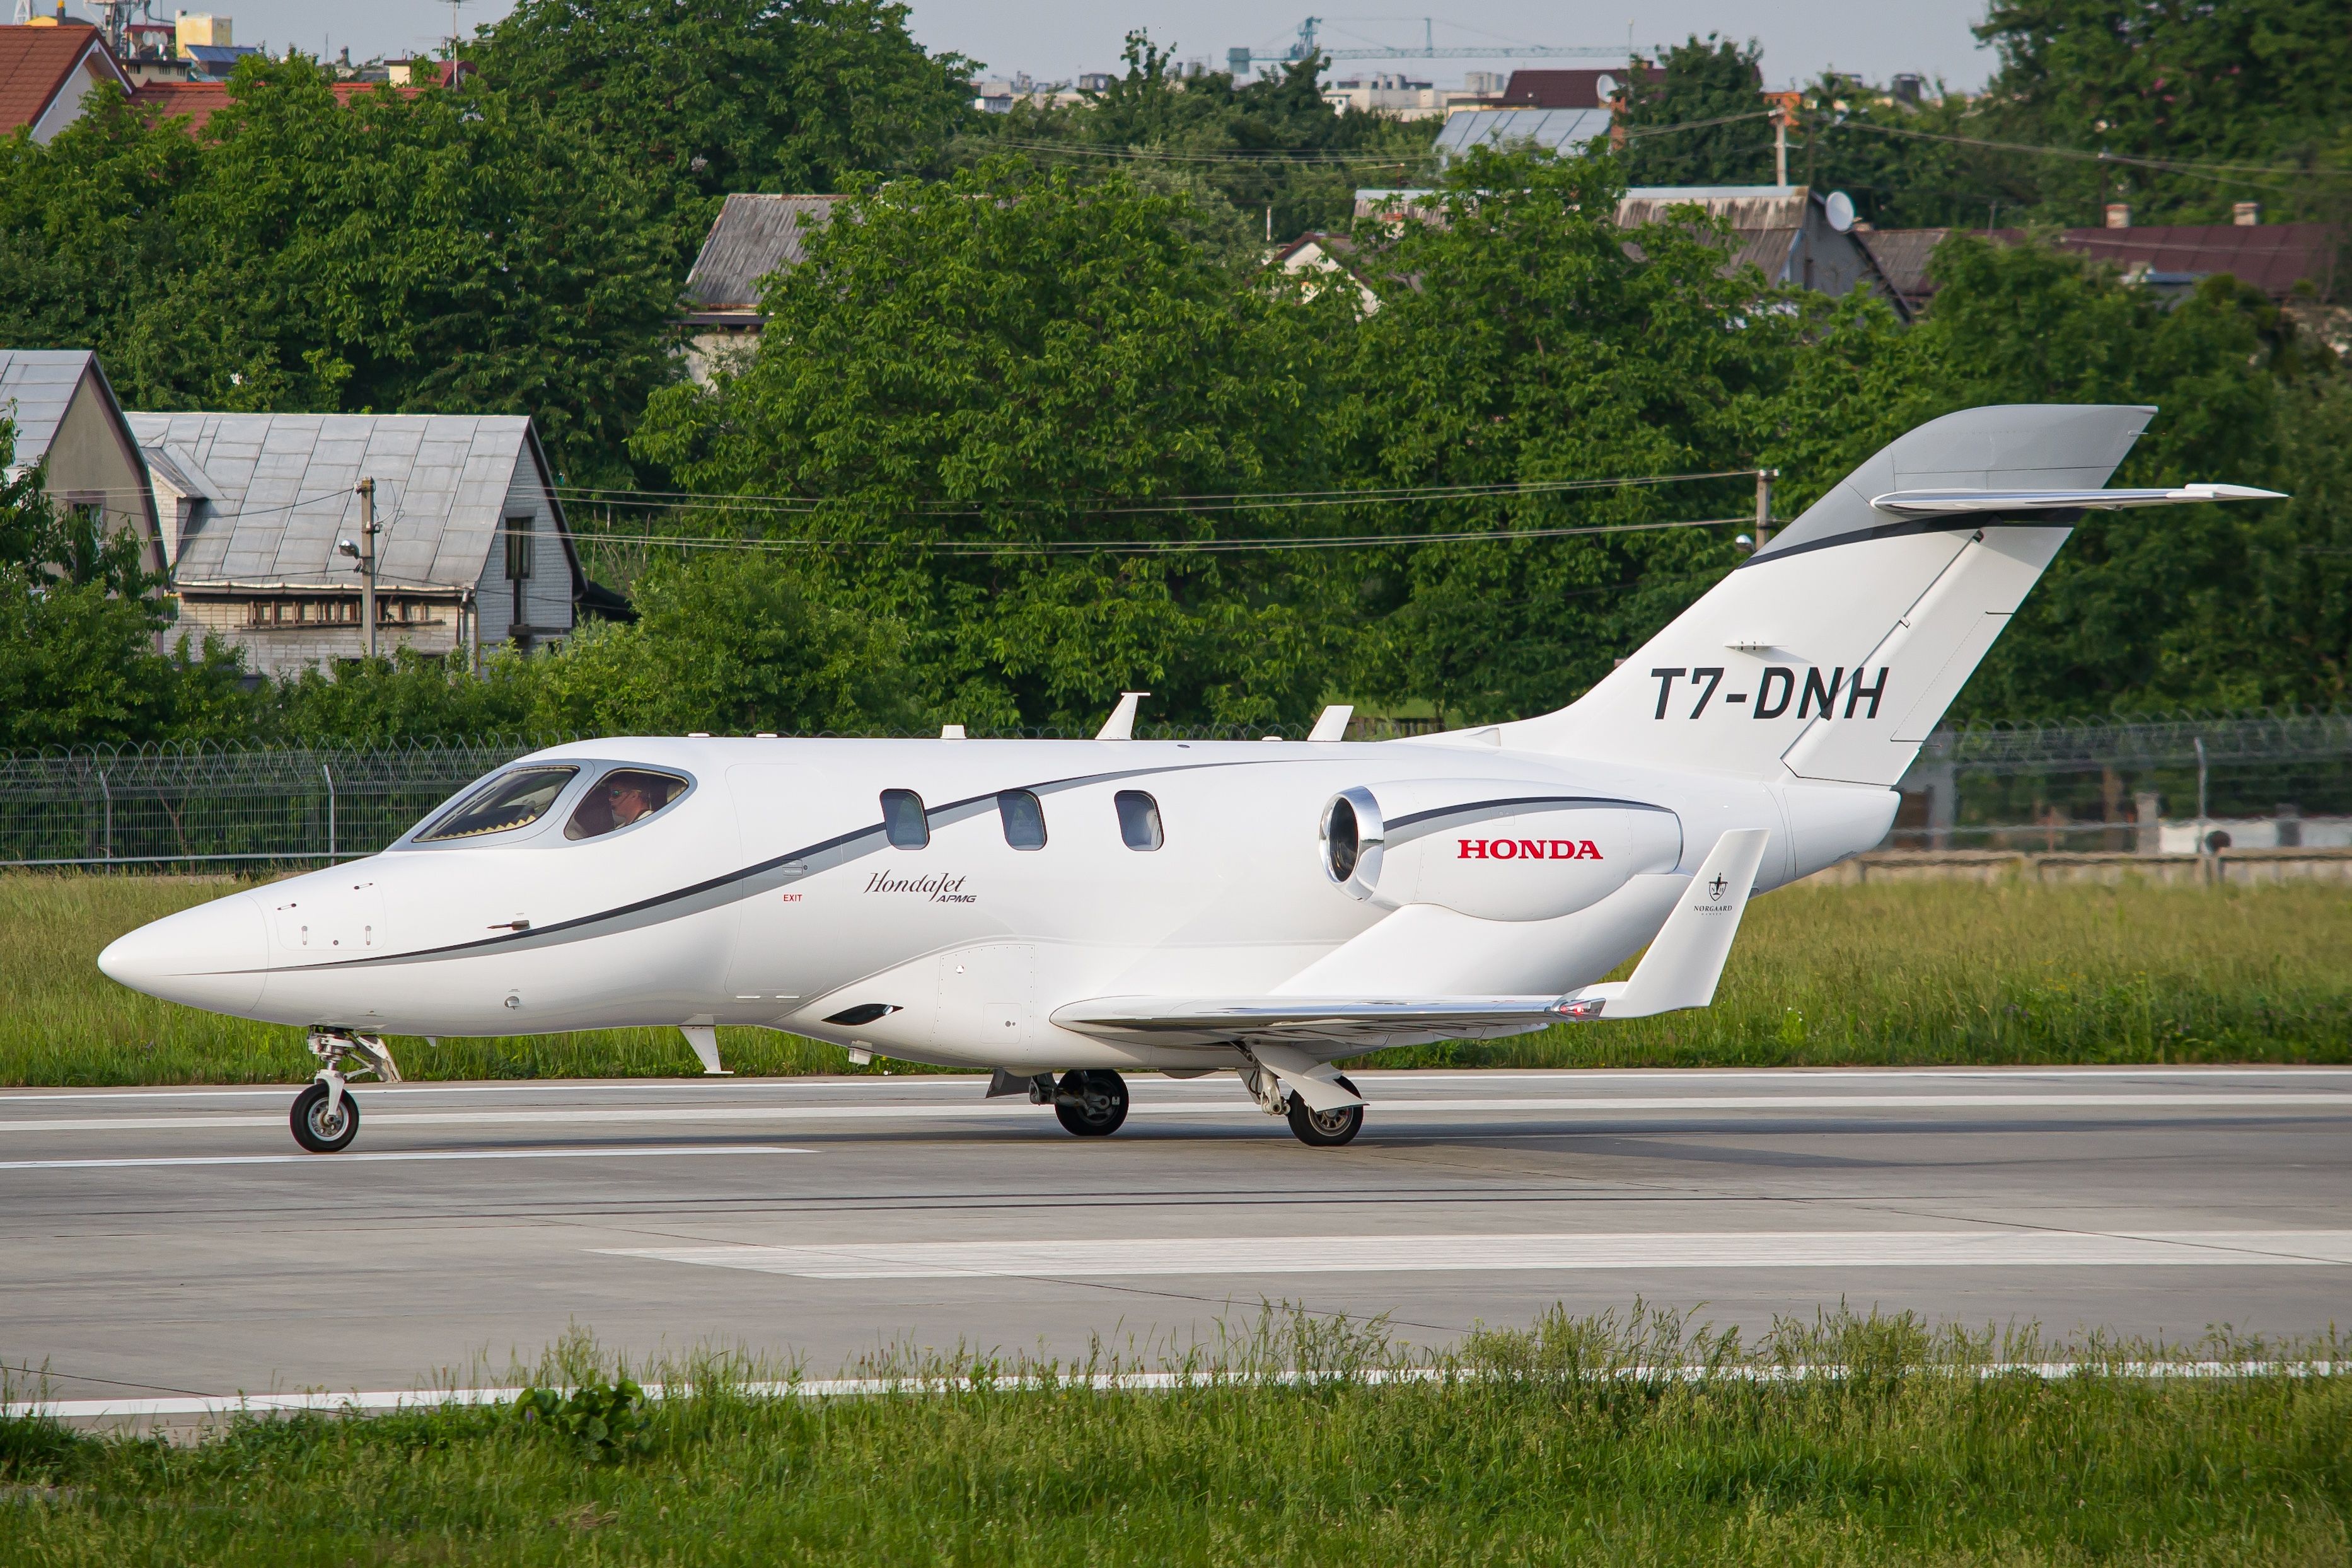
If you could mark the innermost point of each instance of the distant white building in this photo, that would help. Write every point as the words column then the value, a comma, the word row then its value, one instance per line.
column 471, row 550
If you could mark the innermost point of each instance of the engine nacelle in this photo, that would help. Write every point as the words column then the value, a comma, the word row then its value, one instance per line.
column 1496, row 849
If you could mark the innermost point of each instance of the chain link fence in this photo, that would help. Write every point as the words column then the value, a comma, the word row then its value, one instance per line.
column 2269, row 780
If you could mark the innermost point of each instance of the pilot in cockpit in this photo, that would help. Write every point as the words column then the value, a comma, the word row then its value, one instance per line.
column 619, row 800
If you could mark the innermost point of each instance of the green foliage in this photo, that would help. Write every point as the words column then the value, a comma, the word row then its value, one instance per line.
column 2263, row 82
column 603, row 1419
column 1535, row 346
column 733, row 95
column 726, row 643
column 1640, row 1435
column 1270, row 149
column 447, row 251
column 1039, row 364
column 1696, row 83
column 78, row 626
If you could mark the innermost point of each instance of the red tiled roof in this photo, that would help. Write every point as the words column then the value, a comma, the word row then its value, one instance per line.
column 35, row 62
column 200, row 100
column 2273, row 258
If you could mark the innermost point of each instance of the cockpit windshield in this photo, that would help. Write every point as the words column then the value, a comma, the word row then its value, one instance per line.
column 621, row 797
column 510, row 800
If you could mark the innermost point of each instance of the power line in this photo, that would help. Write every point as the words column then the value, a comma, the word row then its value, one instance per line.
column 2217, row 173
column 1273, row 159
column 1149, row 547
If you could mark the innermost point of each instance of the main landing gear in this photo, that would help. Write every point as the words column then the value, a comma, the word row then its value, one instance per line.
column 326, row 1118
column 1315, row 1129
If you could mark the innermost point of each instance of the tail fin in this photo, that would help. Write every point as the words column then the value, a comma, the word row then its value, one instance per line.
column 1833, row 651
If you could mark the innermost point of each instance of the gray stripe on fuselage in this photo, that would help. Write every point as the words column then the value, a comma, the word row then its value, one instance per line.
column 748, row 882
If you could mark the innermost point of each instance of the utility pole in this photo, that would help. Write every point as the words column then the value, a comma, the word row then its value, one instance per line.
column 1764, row 478
column 1780, row 147
column 367, row 560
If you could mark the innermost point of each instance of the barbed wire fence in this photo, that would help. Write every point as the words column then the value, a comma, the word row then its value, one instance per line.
column 2275, row 779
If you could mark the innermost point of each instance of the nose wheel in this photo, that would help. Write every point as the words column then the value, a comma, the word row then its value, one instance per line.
column 325, row 1122
column 325, row 1117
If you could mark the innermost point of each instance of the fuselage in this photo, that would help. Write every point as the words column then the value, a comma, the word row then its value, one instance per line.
column 773, row 891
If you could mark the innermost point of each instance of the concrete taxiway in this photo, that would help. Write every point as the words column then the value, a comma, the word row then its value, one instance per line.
column 164, row 1243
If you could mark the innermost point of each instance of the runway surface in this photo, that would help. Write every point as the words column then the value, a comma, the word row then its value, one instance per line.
column 160, row 1243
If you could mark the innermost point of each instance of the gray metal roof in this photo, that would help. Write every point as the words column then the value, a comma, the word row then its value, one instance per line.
column 754, row 236
column 280, row 492
column 37, row 385
column 1561, row 129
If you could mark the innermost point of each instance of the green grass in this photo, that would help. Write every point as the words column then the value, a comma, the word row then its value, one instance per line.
column 1530, row 1447
column 1917, row 972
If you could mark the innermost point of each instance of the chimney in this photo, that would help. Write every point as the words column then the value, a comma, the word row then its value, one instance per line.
column 2246, row 215
column 2119, row 214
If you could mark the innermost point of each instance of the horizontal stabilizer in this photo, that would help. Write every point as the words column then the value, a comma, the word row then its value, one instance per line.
column 1963, row 503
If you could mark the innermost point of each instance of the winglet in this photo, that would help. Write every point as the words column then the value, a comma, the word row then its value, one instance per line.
column 1686, row 958
column 1331, row 724
column 1121, row 724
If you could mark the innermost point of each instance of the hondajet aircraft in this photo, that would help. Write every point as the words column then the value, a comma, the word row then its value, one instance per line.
column 1065, row 911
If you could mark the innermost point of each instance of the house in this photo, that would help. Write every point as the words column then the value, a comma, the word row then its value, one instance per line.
column 1317, row 252
column 2287, row 261
column 754, row 236
column 198, row 101
column 472, row 548
column 1564, row 89
column 66, row 415
column 1793, row 233
column 47, row 68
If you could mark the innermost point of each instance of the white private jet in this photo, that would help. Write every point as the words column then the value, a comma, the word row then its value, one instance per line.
column 1065, row 911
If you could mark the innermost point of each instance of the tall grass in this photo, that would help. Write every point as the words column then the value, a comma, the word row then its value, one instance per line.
column 1914, row 972
column 1574, row 1440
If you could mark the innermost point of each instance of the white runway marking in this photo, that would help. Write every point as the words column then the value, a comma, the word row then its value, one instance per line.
column 1595, row 1105
column 329, row 1160
column 1491, row 1254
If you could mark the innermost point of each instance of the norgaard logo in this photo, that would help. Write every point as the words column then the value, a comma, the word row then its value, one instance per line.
column 1527, row 850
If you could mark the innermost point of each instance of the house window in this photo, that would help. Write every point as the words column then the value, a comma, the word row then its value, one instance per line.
column 518, row 537
column 1139, row 819
column 903, row 823
column 1024, row 819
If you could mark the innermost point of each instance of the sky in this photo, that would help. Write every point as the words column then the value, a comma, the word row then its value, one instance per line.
column 1055, row 39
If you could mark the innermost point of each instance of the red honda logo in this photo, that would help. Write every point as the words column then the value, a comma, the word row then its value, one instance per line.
column 1527, row 850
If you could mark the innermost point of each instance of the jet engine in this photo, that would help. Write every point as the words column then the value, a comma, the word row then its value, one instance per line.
column 1491, row 849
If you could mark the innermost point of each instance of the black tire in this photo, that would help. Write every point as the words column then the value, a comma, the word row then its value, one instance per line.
column 314, row 1131
column 1326, row 1129
column 1103, row 1094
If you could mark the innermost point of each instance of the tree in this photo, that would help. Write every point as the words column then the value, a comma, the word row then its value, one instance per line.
column 1715, row 88
column 1007, row 397
column 734, row 95
column 1534, row 345
column 77, row 634
column 1271, row 147
column 451, row 252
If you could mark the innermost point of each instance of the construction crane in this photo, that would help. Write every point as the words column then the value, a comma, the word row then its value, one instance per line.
column 1241, row 61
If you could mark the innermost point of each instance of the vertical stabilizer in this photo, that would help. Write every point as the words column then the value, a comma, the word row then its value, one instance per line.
column 1831, row 652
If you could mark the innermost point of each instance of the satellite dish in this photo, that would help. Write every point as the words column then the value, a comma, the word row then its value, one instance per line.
column 1839, row 208
column 1604, row 87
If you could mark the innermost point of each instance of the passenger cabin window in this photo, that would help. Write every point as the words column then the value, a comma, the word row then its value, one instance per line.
column 508, row 802
column 622, row 797
column 1139, row 819
column 903, row 821
column 1024, row 818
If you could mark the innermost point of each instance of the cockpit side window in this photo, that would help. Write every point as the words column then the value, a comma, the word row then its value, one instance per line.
column 903, row 821
column 621, row 799
column 508, row 802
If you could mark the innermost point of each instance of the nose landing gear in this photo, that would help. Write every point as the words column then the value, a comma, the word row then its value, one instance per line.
column 325, row 1117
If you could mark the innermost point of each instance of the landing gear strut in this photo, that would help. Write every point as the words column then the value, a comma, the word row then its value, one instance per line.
column 1315, row 1129
column 326, row 1118
column 1091, row 1103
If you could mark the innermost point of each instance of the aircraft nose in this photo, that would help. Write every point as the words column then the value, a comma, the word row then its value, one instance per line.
column 211, row 956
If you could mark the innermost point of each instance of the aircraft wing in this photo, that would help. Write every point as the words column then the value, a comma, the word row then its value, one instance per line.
column 1679, row 970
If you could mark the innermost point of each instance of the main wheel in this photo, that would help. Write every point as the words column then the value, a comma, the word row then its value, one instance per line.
column 317, row 1130
column 1326, row 1129
column 1100, row 1103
